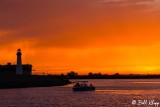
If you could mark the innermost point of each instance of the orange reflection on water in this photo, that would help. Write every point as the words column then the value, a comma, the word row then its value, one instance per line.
column 146, row 82
column 135, row 92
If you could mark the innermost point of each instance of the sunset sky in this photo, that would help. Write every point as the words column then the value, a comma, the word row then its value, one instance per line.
column 57, row 36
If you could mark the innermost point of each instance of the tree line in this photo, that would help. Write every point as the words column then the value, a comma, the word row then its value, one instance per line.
column 90, row 75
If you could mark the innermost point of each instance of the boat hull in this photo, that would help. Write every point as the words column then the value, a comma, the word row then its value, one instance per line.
column 83, row 88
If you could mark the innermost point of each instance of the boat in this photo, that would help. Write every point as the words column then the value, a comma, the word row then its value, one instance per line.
column 83, row 86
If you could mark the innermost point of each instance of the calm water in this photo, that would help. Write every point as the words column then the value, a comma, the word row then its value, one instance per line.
column 109, row 93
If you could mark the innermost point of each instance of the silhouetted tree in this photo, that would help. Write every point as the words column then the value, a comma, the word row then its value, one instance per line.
column 62, row 74
column 116, row 74
column 98, row 74
column 90, row 74
column 72, row 74
column 105, row 74
column 50, row 74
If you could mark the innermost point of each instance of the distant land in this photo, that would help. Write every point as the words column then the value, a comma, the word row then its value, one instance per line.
column 74, row 75
column 20, row 76
column 24, row 81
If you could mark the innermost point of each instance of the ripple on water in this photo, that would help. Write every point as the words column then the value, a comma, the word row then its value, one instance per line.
column 109, row 93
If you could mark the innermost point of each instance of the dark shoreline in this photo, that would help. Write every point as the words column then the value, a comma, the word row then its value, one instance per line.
column 18, row 81
column 74, row 75
column 115, row 77
column 28, row 81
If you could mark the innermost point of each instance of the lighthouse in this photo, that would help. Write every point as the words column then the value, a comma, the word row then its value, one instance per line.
column 19, row 63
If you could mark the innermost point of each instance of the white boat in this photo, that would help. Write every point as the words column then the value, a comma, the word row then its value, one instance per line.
column 83, row 86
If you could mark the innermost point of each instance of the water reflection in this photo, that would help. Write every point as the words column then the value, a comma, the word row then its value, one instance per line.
column 109, row 93
column 135, row 92
column 147, row 82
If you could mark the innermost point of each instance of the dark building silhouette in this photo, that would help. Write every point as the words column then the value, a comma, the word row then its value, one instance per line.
column 10, row 69
column 19, row 63
column 18, row 69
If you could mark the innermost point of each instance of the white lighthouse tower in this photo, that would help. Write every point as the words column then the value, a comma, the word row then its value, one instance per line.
column 19, row 63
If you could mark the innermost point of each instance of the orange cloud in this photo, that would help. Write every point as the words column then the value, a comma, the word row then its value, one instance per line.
column 91, row 35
